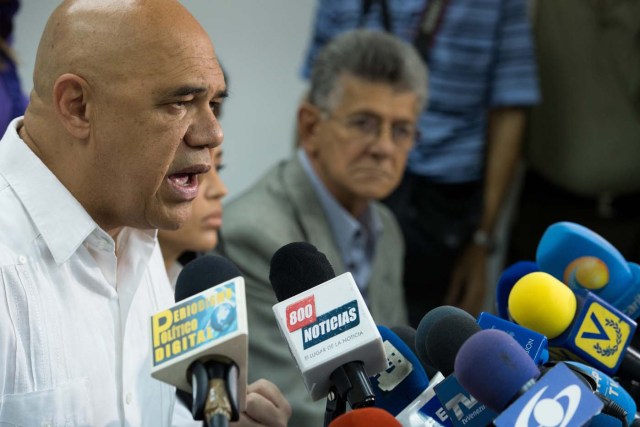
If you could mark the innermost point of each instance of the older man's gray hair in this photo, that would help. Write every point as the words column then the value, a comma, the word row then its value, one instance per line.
column 369, row 55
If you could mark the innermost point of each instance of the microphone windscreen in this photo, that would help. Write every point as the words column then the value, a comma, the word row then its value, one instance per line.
column 203, row 273
column 408, row 335
column 543, row 304
column 297, row 267
column 580, row 257
column 493, row 367
column 425, row 326
column 366, row 417
column 507, row 280
column 446, row 337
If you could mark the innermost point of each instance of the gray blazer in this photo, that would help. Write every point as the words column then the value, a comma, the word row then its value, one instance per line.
column 282, row 208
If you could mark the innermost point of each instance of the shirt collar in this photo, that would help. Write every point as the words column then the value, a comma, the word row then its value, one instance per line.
column 58, row 217
column 344, row 226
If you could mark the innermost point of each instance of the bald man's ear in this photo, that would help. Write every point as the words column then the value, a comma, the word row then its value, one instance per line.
column 70, row 97
column 309, row 118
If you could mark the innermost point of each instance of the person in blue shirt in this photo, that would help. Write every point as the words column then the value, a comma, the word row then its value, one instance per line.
column 482, row 76
column 13, row 102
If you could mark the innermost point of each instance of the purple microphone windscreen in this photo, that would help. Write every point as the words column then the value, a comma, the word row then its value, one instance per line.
column 408, row 335
column 425, row 326
column 507, row 280
column 297, row 267
column 493, row 367
column 203, row 273
column 446, row 337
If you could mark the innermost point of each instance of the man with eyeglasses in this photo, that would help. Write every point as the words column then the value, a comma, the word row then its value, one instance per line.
column 356, row 129
column 482, row 78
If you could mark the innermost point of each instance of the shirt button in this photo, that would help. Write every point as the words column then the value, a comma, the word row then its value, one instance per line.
column 22, row 259
column 128, row 398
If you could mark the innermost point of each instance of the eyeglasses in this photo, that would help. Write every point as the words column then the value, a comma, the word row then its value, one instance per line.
column 367, row 128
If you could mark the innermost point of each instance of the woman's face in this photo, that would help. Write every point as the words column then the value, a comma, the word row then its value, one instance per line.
column 200, row 232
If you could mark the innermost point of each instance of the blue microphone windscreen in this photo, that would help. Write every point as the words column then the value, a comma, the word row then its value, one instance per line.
column 508, row 278
column 426, row 324
column 493, row 367
column 404, row 380
column 297, row 267
column 203, row 273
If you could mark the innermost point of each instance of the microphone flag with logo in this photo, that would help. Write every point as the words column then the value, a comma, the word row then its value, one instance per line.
column 327, row 326
column 579, row 325
column 440, row 334
column 499, row 373
column 535, row 344
column 583, row 259
column 403, row 388
column 200, row 344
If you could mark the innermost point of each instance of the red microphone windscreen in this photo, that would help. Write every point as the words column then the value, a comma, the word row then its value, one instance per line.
column 366, row 417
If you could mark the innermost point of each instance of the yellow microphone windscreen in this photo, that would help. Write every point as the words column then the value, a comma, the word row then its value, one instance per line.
column 542, row 303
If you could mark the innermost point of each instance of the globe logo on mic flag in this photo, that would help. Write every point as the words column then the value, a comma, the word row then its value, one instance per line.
column 223, row 317
column 559, row 398
column 549, row 411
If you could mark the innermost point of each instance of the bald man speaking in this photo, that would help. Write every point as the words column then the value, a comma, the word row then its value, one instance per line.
column 120, row 123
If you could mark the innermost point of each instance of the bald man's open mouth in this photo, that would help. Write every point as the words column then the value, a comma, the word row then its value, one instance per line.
column 184, row 183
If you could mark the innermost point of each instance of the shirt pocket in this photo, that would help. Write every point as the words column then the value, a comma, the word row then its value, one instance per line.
column 67, row 405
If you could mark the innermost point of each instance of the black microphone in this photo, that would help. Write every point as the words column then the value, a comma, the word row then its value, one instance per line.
column 328, row 328
column 408, row 335
column 200, row 344
column 441, row 333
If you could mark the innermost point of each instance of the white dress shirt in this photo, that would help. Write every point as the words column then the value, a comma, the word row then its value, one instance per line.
column 75, row 346
column 181, row 413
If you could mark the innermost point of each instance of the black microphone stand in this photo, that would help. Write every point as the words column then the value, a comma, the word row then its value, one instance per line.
column 215, row 392
column 350, row 383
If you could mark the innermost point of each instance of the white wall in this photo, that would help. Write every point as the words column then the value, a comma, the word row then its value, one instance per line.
column 261, row 44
